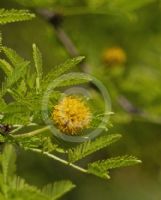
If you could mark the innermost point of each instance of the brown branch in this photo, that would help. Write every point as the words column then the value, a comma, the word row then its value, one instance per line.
column 56, row 19
column 128, row 106
column 66, row 42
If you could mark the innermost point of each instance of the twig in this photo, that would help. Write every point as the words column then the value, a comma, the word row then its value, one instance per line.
column 66, row 41
column 55, row 19
column 128, row 106
column 32, row 133
column 60, row 160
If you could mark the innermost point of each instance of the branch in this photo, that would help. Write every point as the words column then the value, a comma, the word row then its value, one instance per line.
column 56, row 19
column 59, row 159
column 32, row 133
column 128, row 106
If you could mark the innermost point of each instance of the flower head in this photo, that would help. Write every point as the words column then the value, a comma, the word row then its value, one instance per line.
column 114, row 56
column 71, row 115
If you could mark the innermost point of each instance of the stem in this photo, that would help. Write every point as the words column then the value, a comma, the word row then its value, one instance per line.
column 67, row 42
column 19, row 127
column 16, row 129
column 60, row 160
column 37, row 84
column 32, row 133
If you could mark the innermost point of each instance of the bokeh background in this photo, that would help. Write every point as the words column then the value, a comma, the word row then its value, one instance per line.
column 134, row 83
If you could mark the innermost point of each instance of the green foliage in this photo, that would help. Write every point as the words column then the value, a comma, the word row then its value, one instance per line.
column 13, row 187
column 15, row 72
column 90, row 147
column 134, row 87
column 38, row 65
column 20, row 78
column 14, row 58
column 25, row 85
column 6, row 67
column 58, row 189
column 8, row 163
column 27, row 98
column 13, row 15
column 101, row 168
column 61, row 69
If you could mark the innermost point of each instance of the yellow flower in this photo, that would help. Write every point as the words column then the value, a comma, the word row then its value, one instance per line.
column 114, row 56
column 71, row 115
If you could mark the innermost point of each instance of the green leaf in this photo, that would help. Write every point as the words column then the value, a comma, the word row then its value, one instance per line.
column 71, row 81
column 18, row 118
column 19, row 70
column 2, row 104
column 17, row 183
column 14, row 108
column 30, row 79
column 99, row 173
column 22, row 88
column 13, row 15
column 37, row 59
column 14, row 187
column 58, row 189
column 15, row 76
column 15, row 59
column 101, row 167
column 89, row 147
column 61, row 69
column 38, row 65
column 19, row 189
column 8, row 162
column 48, row 145
column 6, row 67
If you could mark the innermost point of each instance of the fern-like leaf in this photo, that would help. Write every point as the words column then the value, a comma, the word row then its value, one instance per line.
column 71, row 80
column 2, row 105
column 13, row 15
column 61, row 69
column 13, row 78
column 38, row 65
column 17, row 183
column 89, row 147
column 6, row 67
column 19, row 189
column 18, row 118
column 18, row 71
column 101, row 167
column 15, row 59
column 58, row 189
column 8, row 162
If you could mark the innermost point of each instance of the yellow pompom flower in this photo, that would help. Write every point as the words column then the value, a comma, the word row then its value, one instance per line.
column 71, row 115
column 114, row 56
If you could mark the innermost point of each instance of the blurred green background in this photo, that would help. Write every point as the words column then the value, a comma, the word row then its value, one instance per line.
column 93, row 26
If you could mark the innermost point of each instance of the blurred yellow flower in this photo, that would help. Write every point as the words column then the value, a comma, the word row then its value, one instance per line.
column 114, row 56
column 71, row 115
